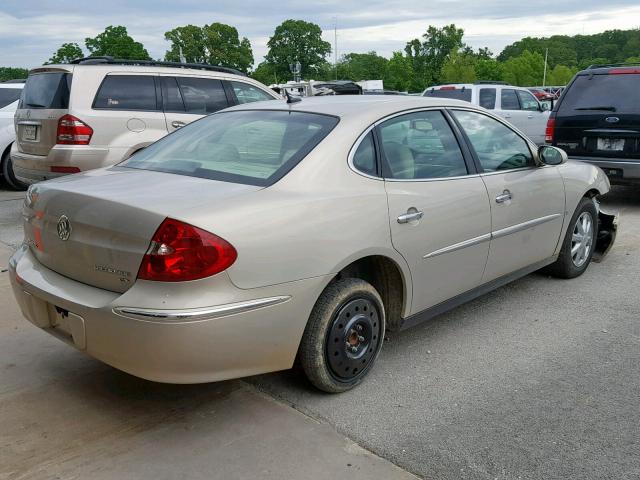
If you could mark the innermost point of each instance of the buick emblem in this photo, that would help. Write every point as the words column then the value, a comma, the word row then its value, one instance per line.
column 64, row 228
column 612, row 119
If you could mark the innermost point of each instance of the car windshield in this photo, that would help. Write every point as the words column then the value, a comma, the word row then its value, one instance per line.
column 608, row 93
column 254, row 147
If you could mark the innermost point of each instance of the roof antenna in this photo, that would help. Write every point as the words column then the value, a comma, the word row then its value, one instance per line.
column 291, row 98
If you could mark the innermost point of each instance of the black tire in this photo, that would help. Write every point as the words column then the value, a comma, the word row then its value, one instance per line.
column 345, row 331
column 9, row 176
column 565, row 266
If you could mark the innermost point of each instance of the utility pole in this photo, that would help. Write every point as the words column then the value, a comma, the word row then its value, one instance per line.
column 544, row 75
column 335, row 46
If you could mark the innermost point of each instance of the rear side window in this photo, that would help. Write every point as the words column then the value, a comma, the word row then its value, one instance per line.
column 365, row 157
column 127, row 92
column 254, row 147
column 246, row 93
column 47, row 90
column 450, row 92
column 9, row 95
column 488, row 98
column 202, row 95
column 509, row 100
column 602, row 93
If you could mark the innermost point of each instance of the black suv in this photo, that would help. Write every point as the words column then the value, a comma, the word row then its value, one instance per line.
column 597, row 120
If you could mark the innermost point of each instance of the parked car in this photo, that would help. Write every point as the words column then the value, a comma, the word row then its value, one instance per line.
column 515, row 104
column 9, row 97
column 597, row 120
column 541, row 94
column 97, row 112
column 303, row 228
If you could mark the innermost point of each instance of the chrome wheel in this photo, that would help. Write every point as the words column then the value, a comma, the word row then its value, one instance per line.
column 582, row 239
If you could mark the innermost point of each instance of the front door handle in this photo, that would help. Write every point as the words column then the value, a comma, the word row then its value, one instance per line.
column 411, row 216
column 503, row 197
column 530, row 115
column 177, row 124
column 507, row 115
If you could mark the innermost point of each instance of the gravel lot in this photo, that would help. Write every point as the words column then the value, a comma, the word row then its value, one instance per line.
column 538, row 379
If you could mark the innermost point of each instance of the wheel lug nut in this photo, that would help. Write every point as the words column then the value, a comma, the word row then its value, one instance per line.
column 354, row 349
column 359, row 327
column 361, row 339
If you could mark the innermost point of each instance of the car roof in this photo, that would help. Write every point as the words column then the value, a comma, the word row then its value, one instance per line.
column 367, row 107
column 103, row 68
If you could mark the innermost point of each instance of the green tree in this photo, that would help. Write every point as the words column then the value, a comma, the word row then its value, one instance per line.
column 362, row 66
column 265, row 73
column 297, row 40
column 66, row 53
column 488, row 69
column 12, row 73
column 560, row 75
column 189, row 39
column 116, row 42
column 399, row 73
column 526, row 70
column 458, row 68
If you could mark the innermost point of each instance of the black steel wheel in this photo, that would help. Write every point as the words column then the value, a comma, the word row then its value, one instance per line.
column 343, row 336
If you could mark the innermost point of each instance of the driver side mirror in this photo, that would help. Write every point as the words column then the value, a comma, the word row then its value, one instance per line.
column 544, row 106
column 549, row 155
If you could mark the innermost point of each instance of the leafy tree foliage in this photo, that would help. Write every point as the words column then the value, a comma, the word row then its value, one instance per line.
column 216, row 44
column 11, row 73
column 265, row 73
column 489, row 69
column 116, row 42
column 459, row 68
column 560, row 75
column 297, row 40
column 66, row 53
column 362, row 66
column 525, row 70
column 399, row 73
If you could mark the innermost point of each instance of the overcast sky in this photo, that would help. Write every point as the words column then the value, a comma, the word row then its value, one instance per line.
column 31, row 30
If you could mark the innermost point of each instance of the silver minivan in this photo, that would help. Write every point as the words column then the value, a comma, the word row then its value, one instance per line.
column 99, row 111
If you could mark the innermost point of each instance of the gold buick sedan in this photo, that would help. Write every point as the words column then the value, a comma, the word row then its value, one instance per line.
column 277, row 231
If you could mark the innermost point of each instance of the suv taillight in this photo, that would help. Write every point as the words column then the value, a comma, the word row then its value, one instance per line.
column 73, row 131
column 550, row 130
column 179, row 252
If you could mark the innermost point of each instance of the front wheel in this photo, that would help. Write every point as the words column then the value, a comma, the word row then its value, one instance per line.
column 579, row 242
column 343, row 336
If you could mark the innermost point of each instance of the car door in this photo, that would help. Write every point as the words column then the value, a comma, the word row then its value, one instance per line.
column 438, row 207
column 188, row 98
column 527, row 201
column 510, row 108
column 534, row 119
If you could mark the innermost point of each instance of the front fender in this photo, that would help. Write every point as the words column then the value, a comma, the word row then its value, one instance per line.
column 607, row 230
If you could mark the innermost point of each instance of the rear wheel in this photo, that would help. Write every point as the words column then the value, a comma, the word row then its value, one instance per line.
column 9, row 176
column 579, row 242
column 343, row 336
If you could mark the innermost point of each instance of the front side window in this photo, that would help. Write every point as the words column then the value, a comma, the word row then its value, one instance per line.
column 420, row 145
column 487, row 98
column 365, row 157
column 202, row 95
column 127, row 92
column 246, row 93
column 254, row 147
column 496, row 145
column 509, row 99
column 527, row 100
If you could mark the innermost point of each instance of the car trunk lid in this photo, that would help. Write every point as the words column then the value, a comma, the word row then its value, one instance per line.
column 96, row 227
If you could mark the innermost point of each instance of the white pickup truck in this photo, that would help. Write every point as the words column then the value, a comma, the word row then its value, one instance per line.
column 517, row 105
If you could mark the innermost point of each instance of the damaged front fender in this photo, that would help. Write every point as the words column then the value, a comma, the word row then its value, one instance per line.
column 607, row 229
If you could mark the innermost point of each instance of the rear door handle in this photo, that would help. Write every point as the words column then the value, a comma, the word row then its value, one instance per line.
column 177, row 124
column 507, row 116
column 530, row 115
column 411, row 216
column 503, row 197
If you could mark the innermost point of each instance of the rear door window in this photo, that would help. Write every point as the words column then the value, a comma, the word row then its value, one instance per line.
column 509, row 99
column 171, row 95
column 246, row 93
column 602, row 94
column 202, row 95
column 487, row 98
column 9, row 95
column 127, row 92
column 47, row 90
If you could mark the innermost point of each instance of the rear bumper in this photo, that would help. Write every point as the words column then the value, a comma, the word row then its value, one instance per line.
column 29, row 168
column 630, row 169
column 259, row 331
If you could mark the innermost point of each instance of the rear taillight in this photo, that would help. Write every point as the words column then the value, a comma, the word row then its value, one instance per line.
column 181, row 252
column 59, row 169
column 73, row 131
column 550, row 130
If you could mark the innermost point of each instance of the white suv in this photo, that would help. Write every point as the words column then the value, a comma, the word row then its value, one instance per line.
column 515, row 104
column 9, row 96
column 99, row 111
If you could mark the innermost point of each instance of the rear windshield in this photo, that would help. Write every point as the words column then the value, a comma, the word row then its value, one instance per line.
column 47, row 90
column 254, row 147
column 9, row 95
column 458, row 93
column 602, row 93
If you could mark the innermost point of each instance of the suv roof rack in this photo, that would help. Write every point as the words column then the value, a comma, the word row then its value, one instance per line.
column 490, row 82
column 154, row 63
column 607, row 65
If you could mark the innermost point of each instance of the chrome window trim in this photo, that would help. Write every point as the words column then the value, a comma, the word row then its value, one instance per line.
column 154, row 315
